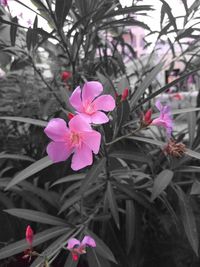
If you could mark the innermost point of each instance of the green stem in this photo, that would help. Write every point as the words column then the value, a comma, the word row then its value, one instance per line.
column 123, row 137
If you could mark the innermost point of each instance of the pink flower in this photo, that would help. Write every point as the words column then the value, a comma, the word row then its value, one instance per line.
column 165, row 118
column 29, row 235
column 90, row 105
column 4, row 2
column 78, row 139
column 77, row 248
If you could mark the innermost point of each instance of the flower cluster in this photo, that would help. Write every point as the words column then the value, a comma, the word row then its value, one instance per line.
column 78, row 138
column 164, row 120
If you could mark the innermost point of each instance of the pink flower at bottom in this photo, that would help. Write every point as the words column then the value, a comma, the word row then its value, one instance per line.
column 78, row 139
column 165, row 118
column 77, row 248
column 90, row 105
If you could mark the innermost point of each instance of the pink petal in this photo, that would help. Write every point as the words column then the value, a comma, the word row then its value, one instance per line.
column 82, row 157
column 158, row 105
column 72, row 242
column 88, row 241
column 90, row 91
column 104, row 102
column 99, row 117
column 93, row 140
column 75, row 99
column 57, row 130
column 78, row 124
column 86, row 117
column 58, row 151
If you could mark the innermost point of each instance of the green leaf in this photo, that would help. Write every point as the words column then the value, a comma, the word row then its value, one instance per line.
column 145, row 84
column 15, row 156
column 69, row 202
column 70, row 262
column 36, row 216
column 161, row 182
column 130, row 224
column 39, row 238
column 191, row 119
column 30, row 170
column 195, row 190
column 25, row 120
column 93, row 258
column 69, row 178
column 192, row 154
column 113, row 204
column 92, row 175
column 188, row 220
column 61, row 11
column 101, row 248
column 13, row 31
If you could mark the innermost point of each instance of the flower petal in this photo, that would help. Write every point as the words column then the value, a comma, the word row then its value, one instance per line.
column 58, row 151
column 78, row 124
column 56, row 130
column 72, row 242
column 93, row 140
column 82, row 157
column 90, row 91
column 88, row 241
column 99, row 117
column 159, row 105
column 104, row 102
column 75, row 99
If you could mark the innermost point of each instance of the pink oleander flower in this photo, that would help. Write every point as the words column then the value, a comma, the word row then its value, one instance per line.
column 165, row 118
column 29, row 235
column 90, row 105
column 78, row 139
column 4, row 2
column 77, row 248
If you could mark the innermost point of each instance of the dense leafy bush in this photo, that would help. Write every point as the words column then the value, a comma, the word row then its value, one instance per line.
column 139, row 199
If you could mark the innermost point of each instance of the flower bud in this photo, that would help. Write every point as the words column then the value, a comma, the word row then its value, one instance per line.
column 65, row 75
column 70, row 116
column 29, row 235
column 125, row 94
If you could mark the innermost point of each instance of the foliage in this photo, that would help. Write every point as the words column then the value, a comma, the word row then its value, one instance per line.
column 139, row 203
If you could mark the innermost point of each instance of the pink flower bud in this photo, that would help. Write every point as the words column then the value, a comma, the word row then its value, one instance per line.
column 66, row 75
column 70, row 116
column 125, row 94
column 147, row 117
column 29, row 235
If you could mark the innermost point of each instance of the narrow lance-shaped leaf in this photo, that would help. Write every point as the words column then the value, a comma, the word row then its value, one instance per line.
column 145, row 84
column 13, row 31
column 130, row 223
column 113, row 204
column 30, row 170
column 36, row 216
column 101, row 248
column 25, row 120
column 188, row 220
column 92, row 175
column 61, row 10
column 161, row 182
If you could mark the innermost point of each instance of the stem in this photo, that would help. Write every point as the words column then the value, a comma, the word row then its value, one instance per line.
column 123, row 137
column 47, row 85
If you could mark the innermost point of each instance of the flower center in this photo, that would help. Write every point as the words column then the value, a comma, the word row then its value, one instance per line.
column 89, row 108
column 75, row 139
